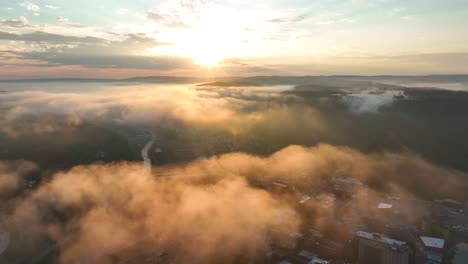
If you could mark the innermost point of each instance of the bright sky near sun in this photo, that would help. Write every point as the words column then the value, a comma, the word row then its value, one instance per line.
column 117, row 38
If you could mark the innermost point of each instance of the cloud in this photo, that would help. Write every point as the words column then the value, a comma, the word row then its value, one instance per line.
column 232, row 109
column 56, row 49
column 365, row 102
column 44, row 37
column 131, row 105
column 52, row 7
column 242, row 112
column 307, row 167
column 169, row 20
column 199, row 211
column 112, row 207
column 66, row 22
column 21, row 120
column 202, row 211
column 291, row 19
column 181, row 14
column 22, row 22
column 62, row 19
column 110, row 60
column 31, row 7
column 12, row 176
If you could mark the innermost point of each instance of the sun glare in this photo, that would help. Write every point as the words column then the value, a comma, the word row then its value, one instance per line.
column 209, row 61
column 208, row 41
column 204, row 48
column 210, row 51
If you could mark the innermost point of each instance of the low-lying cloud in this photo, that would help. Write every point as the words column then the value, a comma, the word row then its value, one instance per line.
column 144, row 105
column 12, row 176
column 204, row 211
column 368, row 102
column 96, row 211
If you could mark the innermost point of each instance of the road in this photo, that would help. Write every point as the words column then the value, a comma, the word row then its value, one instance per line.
column 144, row 155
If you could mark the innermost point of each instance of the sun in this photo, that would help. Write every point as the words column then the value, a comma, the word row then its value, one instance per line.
column 210, row 51
column 209, row 60
column 209, row 48
column 208, row 41
column 204, row 48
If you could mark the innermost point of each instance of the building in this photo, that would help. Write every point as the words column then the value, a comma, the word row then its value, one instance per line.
column 304, row 257
column 377, row 249
column 384, row 206
column 453, row 207
column 346, row 183
column 431, row 248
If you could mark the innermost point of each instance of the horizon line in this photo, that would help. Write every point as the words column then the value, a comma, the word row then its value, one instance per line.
column 221, row 77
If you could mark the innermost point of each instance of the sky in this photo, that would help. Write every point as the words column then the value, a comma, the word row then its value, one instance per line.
column 206, row 38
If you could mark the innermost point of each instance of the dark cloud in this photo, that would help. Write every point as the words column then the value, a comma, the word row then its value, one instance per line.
column 94, row 52
column 22, row 22
column 44, row 37
column 110, row 61
column 237, row 67
column 12, row 176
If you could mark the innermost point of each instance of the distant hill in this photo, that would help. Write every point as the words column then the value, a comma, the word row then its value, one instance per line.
column 149, row 79
column 165, row 79
column 58, row 80
column 332, row 80
column 231, row 83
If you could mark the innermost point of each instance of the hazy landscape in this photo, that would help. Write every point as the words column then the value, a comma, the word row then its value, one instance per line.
column 78, row 143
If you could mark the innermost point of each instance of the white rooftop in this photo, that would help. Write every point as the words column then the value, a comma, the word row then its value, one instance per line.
column 380, row 238
column 305, row 198
column 318, row 261
column 347, row 180
column 312, row 257
column 307, row 254
column 384, row 206
column 432, row 242
column 279, row 184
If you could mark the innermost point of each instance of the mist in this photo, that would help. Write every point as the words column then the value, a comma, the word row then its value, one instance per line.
column 95, row 211
column 217, row 151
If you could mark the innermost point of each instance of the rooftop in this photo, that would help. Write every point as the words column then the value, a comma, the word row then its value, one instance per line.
column 318, row 261
column 305, row 198
column 432, row 242
column 347, row 180
column 312, row 257
column 307, row 254
column 384, row 206
column 280, row 184
column 380, row 238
